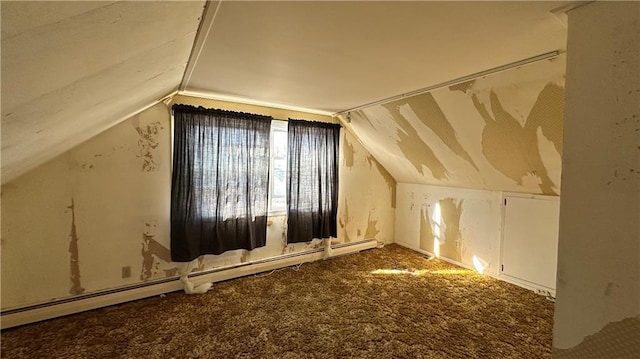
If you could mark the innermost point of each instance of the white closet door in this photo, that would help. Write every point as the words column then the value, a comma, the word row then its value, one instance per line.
column 530, row 240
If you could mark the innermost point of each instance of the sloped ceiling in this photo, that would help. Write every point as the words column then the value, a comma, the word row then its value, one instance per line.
column 72, row 69
column 334, row 56
column 499, row 132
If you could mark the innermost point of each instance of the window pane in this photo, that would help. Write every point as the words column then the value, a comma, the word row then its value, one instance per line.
column 280, row 144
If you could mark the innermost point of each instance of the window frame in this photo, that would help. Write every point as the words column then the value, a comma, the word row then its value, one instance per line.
column 282, row 127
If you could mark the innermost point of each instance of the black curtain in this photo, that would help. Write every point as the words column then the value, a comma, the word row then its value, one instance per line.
column 220, row 181
column 312, row 184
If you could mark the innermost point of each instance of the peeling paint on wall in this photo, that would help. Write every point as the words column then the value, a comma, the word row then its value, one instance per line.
column 391, row 182
column 151, row 249
column 413, row 148
column 429, row 112
column 344, row 221
column 620, row 340
column 147, row 143
column 76, row 287
column 173, row 272
column 372, row 229
column 548, row 114
column 511, row 148
column 360, row 115
column 426, row 231
column 451, row 212
column 463, row 86
column 347, row 153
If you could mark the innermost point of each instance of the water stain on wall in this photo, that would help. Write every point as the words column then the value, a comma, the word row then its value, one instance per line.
column 426, row 231
column 243, row 256
column 511, row 148
column 429, row 112
column 76, row 287
column 451, row 210
column 413, row 148
column 347, row 153
column 391, row 182
column 147, row 143
column 150, row 250
column 615, row 340
column 372, row 230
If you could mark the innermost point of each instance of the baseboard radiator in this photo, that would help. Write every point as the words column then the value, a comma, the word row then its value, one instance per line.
column 57, row 308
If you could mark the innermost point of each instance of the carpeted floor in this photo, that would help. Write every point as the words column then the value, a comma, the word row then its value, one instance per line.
column 381, row 303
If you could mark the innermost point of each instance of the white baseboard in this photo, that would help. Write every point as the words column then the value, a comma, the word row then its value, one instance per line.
column 549, row 292
column 419, row 250
column 26, row 315
column 503, row 277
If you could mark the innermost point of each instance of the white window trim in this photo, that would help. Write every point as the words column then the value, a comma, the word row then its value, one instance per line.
column 279, row 126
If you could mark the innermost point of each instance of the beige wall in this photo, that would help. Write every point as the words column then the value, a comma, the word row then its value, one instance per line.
column 110, row 198
column 468, row 220
column 499, row 132
column 598, row 285
column 367, row 195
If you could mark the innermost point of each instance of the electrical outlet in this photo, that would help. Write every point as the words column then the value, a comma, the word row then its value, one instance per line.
column 126, row 272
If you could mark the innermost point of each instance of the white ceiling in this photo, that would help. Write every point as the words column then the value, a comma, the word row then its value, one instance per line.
column 70, row 70
column 334, row 56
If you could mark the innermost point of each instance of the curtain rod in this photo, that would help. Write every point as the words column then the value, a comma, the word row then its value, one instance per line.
column 287, row 120
column 458, row 80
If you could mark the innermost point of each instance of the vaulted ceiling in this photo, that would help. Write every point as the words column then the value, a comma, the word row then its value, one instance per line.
column 72, row 69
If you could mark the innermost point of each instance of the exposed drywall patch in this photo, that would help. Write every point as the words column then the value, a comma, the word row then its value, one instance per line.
column 344, row 221
column 150, row 250
column 511, row 148
column 361, row 115
column 147, row 143
column 173, row 272
column 76, row 287
column 429, row 112
column 619, row 340
column 451, row 210
column 347, row 152
column 391, row 182
column 201, row 264
column 548, row 114
column 426, row 231
column 414, row 149
column 284, row 242
column 608, row 289
column 372, row 230
column 463, row 86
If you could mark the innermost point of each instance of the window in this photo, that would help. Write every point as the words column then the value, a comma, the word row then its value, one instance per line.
column 220, row 181
column 278, row 164
column 312, row 186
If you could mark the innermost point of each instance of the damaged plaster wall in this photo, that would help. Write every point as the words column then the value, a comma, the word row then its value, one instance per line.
column 366, row 208
column 499, row 132
column 598, row 285
column 97, row 216
column 454, row 223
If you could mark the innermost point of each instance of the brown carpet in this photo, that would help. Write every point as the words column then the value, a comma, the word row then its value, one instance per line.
column 344, row 307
